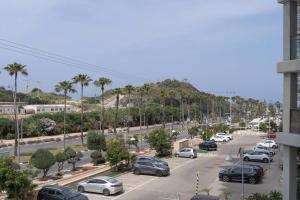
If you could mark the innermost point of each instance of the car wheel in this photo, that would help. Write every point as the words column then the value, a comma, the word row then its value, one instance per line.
column 191, row 156
column 224, row 140
column 246, row 159
column 106, row 192
column 176, row 155
column 225, row 178
column 252, row 180
column 81, row 189
column 137, row 172
column 158, row 173
column 265, row 160
column 274, row 147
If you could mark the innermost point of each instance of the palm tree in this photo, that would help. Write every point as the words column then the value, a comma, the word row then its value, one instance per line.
column 129, row 89
column 65, row 87
column 13, row 70
column 84, row 80
column 163, row 96
column 141, row 93
column 102, row 82
column 146, row 88
column 117, row 92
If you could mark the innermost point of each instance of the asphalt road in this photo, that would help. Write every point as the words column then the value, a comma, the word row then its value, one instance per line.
column 33, row 147
column 181, row 183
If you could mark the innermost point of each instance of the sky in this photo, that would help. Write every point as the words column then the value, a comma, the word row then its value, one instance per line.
column 219, row 46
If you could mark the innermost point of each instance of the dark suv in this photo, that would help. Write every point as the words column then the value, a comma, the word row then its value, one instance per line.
column 150, row 167
column 56, row 192
column 208, row 146
column 151, row 159
column 251, row 175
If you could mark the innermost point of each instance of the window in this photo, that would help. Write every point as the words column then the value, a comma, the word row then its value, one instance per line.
column 99, row 181
column 56, row 109
column 69, row 108
column 52, row 109
column 38, row 110
column 58, row 193
column 236, row 170
column 92, row 181
column 60, row 109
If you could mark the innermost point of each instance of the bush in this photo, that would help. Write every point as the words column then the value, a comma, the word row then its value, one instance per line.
column 161, row 141
column 17, row 183
column 273, row 195
column 96, row 141
column 116, row 152
column 57, row 139
column 42, row 159
column 97, row 158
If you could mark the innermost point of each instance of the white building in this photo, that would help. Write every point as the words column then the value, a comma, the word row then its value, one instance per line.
column 8, row 108
column 50, row 108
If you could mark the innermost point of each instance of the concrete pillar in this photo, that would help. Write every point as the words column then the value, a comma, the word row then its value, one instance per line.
column 290, row 173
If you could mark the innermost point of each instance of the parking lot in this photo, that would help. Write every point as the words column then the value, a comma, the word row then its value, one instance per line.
column 181, row 183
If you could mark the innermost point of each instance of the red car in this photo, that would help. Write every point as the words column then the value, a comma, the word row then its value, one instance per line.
column 272, row 136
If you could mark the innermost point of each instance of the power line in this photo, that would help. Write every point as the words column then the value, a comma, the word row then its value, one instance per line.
column 45, row 55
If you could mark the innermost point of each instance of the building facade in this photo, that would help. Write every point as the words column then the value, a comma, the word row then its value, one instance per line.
column 290, row 68
column 8, row 108
column 48, row 108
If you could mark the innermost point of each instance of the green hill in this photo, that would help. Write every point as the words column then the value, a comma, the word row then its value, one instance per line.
column 36, row 96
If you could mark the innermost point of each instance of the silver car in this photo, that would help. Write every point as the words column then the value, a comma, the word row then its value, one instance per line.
column 187, row 153
column 102, row 184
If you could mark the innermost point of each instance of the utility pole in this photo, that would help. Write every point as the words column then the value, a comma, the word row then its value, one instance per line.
column 27, row 82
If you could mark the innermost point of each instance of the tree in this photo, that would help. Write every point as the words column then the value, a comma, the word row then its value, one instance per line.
column 163, row 96
column 129, row 89
column 102, row 82
column 171, row 95
column 84, row 80
column 116, row 152
column 161, row 141
column 97, row 157
column 146, row 88
column 73, row 156
column 13, row 70
column 42, row 159
column 117, row 92
column 60, row 158
column 193, row 132
column 141, row 92
column 65, row 87
column 96, row 141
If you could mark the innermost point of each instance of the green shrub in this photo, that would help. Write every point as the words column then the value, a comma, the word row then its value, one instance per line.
column 161, row 141
column 73, row 156
column 97, row 158
column 42, row 159
column 96, row 141
column 116, row 152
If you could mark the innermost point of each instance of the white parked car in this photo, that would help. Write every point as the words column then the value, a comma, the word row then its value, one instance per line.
column 230, row 136
column 270, row 149
column 219, row 139
column 268, row 143
column 257, row 156
column 102, row 184
column 187, row 153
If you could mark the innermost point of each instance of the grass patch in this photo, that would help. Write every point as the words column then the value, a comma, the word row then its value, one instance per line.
column 201, row 151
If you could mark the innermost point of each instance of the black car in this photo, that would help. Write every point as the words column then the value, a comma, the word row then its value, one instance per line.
column 208, row 146
column 235, row 174
column 205, row 197
column 259, row 168
column 56, row 192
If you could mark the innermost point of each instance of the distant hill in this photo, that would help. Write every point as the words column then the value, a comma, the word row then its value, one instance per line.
column 36, row 96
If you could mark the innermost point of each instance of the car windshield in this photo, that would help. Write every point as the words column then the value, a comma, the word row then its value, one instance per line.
column 157, row 160
column 112, row 180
